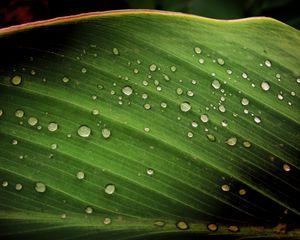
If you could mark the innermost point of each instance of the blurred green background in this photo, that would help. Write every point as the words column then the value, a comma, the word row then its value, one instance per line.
column 14, row 12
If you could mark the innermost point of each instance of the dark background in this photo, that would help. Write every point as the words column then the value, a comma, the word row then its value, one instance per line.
column 14, row 12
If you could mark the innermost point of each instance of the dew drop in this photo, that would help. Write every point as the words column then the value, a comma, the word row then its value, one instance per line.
column 83, row 70
column 280, row 97
column 182, row 225
column 40, row 187
column 197, row 50
column 190, row 134
column 14, row 142
column 95, row 112
column 268, row 63
column 245, row 101
column 211, row 137
column 80, row 175
column 224, row 123
column 146, row 129
column 16, row 80
column 194, row 124
column 212, row 227
column 298, row 80
column 1, row 112
column 19, row 113
column 65, row 79
column 225, row 188
column 63, row 216
column 127, row 90
column 136, row 71
column 19, row 186
column 229, row 71
column 159, row 223
column 52, row 127
column 32, row 121
column 179, row 91
column 150, row 171
column 185, row 106
column 152, row 67
column 246, row 144
column 4, row 183
column 242, row 192
column 231, row 141
column 88, row 210
column 222, row 108
column 204, row 118
column 115, row 51
column 220, row 61
column 265, row 86
column 244, row 75
column 106, row 133
column 144, row 96
column 110, row 189
column 166, row 77
column 216, row 84
column 147, row 106
column 84, row 131
column 163, row 105
column 173, row 68
column 106, row 221
column 257, row 120
column 233, row 228
column 286, row 167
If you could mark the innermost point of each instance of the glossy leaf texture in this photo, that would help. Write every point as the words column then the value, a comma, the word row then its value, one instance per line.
column 149, row 125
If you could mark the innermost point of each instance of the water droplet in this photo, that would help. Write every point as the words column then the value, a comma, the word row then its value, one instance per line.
column 147, row 106
column 222, row 108
column 80, row 175
column 182, row 225
column 106, row 221
column 242, row 192
column 173, row 68
column 212, row 227
column 89, row 210
column 65, row 79
column 265, row 86
column 40, row 187
column 179, row 91
column 144, row 96
column 224, row 123
column 115, row 51
column 127, row 90
column 216, row 84
column 136, row 71
column 220, row 61
column 84, row 131
column 53, row 146
column 257, row 120
column 245, row 101
column 293, row 93
column 163, row 104
column 280, row 97
column 211, row 137
column 246, row 144
column 190, row 93
column 201, row 61
column 197, row 50
column 286, row 167
column 110, row 189
column 298, row 80
column 4, row 183
column 159, row 223
column 32, row 72
column 32, row 121
column 95, row 112
column 146, row 129
column 106, row 133
column 268, row 63
column 166, row 77
column 16, row 80
column 204, row 118
column 277, row 76
column 63, row 216
column 194, row 124
column 185, row 106
column 52, row 127
column 152, row 67
column 19, row 186
column 225, row 188
column 233, row 228
column 229, row 71
column 19, row 113
column 83, row 70
column 231, row 141
column 244, row 75
column 150, row 171
column 14, row 142
column 190, row 134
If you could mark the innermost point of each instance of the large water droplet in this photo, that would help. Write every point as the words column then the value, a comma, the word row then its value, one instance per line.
column 182, row 225
column 52, row 127
column 185, row 106
column 265, row 86
column 16, row 80
column 32, row 121
column 197, row 50
column 204, row 118
column 225, row 188
column 19, row 186
column 152, row 67
column 179, row 91
column 89, row 210
column 220, row 61
column 80, row 175
column 110, row 189
column 231, row 141
column 106, row 133
column 40, row 187
column 127, row 90
column 216, row 84
column 19, row 113
column 245, row 101
column 84, row 131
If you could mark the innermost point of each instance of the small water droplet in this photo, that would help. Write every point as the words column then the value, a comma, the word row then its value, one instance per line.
column 95, row 112
column 185, row 106
column 173, row 68
column 246, row 144
column 52, row 126
column 106, row 133
column 182, row 225
column 194, row 124
column 127, row 90
column 216, row 84
column 14, row 142
column 166, row 77
column 286, row 167
column 245, row 101
column 19, row 186
column 222, row 108
column 106, row 221
column 224, row 123
column 115, row 51
column 4, row 183
column 231, row 141
column 280, row 97
column 268, row 63
column 88, row 210
column 229, row 71
column 32, row 121
column 233, row 228
column 212, row 227
column 53, row 146
column 152, row 67
column 147, row 106
column 244, row 75
column 298, row 80
column 190, row 134
column 63, row 216
column 110, row 189
column 204, row 118
column 150, row 171
column 146, row 129
column 225, row 188
column 265, row 86
column 40, row 187
column 242, row 192
column 220, row 61
column 197, row 50
column 159, row 223
column 293, row 93
column 80, row 175
column 144, row 96
column 19, row 113
column 257, row 120
column 16, row 80
column 84, row 131
column 136, row 71
column 163, row 105
column 211, row 137
column 65, row 79
column 179, row 91
column 83, row 70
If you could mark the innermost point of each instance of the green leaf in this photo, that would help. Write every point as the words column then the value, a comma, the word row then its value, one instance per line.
column 149, row 125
